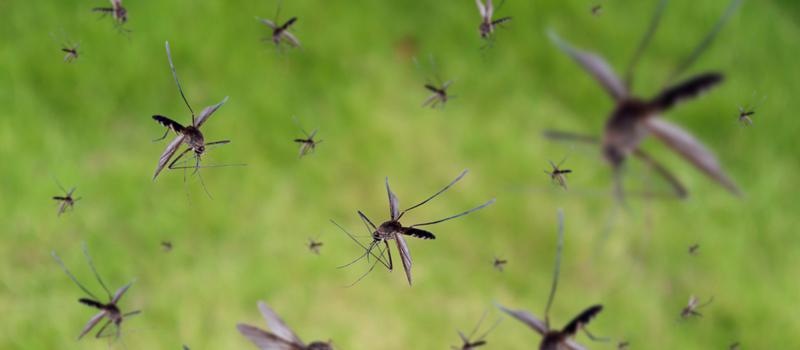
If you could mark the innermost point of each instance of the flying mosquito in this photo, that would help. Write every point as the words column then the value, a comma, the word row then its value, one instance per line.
column 314, row 245
column 466, row 341
column 190, row 134
column 438, row 88
column 488, row 24
column 166, row 246
column 748, row 111
column 558, row 175
column 554, row 339
column 734, row 346
column 119, row 13
column 69, row 48
column 108, row 310
column 694, row 249
column 634, row 118
column 691, row 308
column 623, row 345
column 499, row 264
column 280, row 33
column 66, row 201
column 394, row 230
column 281, row 336
column 597, row 9
column 307, row 144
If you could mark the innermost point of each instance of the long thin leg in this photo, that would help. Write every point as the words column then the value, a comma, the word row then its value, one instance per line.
column 457, row 215
column 94, row 270
column 162, row 137
column 594, row 338
column 359, row 243
column 71, row 276
column 102, row 329
column 172, row 164
column 367, row 220
column 651, row 29
column 463, row 173
column 557, row 269
column 177, row 82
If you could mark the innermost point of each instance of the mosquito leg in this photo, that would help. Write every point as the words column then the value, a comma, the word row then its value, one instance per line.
column 102, row 330
column 94, row 270
column 457, row 215
column 172, row 164
column 459, row 177
column 557, row 269
column 162, row 137
column 594, row 338
column 71, row 276
column 200, row 176
column 389, row 253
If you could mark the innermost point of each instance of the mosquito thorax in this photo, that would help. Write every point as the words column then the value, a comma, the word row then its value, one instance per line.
column 121, row 14
column 485, row 28
column 387, row 229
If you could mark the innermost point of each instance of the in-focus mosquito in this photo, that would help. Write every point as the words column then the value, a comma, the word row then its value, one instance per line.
column 499, row 264
column 66, row 201
column 108, row 310
column 488, row 24
column 280, row 33
column 119, row 13
column 694, row 249
column 190, row 135
column 314, row 245
column 635, row 118
column 748, row 111
column 307, row 144
column 467, row 343
column 281, row 336
column 558, row 175
column 691, row 308
column 554, row 339
column 394, row 230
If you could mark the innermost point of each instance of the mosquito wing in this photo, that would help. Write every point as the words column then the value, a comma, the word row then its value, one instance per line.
column 489, row 9
column 594, row 65
column 208, row 111
column 277, row 326
column 167, row 154
column 429, row 100
column 116, row 3
column 677, row 186
column 62, row 207
column 405, row 256
column 120, row 292
column 526, row 318
column 265, row 340
column 267, row 22
column 481, row 8
column 690, row 148
column 290, row 38
column 92, row 323
column 394, row 211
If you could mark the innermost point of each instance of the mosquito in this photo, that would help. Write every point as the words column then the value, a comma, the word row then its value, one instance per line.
column 66, row 201
column 634, row 118
column 488, row 24
column 108, row 310
column 558, row 175
column 119, row 13
column 166, row 246
column 623, row 345
column 468, row 343
column 281, row 336
column 499, row 264
column 693, row 306
column 307, row 144
column 190, row 134
column 746, row 112
column 280, row 33
column 554, row 339
column 439, row 96
column 597, row 9
column 694, row 249
column 394, row 230
column 734, row 346
column 314, row 245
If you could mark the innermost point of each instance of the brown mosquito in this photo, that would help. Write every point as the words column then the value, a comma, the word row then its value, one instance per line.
column 634, row 118
column 314, row 245
column 438, row 88
column 67, row 201
column 190, row 135
column 467, row 343
column 69, row 48
column 281, row 336
column 108, row 310
column 117, row 11
column 597, row 9
column 748, row 111
column 499, row 264
column 166, row 246
column 623, row 345
column 394, row 230
column 488, row 24
column 694, row 249
column 691, row 308
column 734, row 346
column 558, row 175
column 554, row 339
column 280, row 33
column 307, row 144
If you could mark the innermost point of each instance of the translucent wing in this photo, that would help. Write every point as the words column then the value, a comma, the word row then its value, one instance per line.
column 481, row 8
column 394, row 212
column 120, row 292
column 290, row 38
column 690, row 148
column 405, row 256
column 277, row 326
column 489, row 9
column 265, row 340
column 267, row 22
column 116, row 3
column 526, row 318
column 429, row 100
column 208, row 111
column 92, row 322
column 594, row 65
column 167, row 154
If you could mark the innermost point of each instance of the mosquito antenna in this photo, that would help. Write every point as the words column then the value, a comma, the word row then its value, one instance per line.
column 94, row 270
column 457, row 215
column 366, row 253
column 369, row 250
column 71, row 276
column 734, row 4
column 200, row 176
column 296, row 122
column 59, row 184
column 478, row 325
column 562, row 161
column 496, row 323
column 278, row 13
column 463, row 173
column 651, row 30
column 175, row 75
column 559, row 247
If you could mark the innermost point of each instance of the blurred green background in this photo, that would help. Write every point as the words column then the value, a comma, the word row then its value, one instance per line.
column 88, row 124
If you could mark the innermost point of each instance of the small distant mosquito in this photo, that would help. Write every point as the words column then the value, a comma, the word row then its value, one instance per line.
column 281, row 336
column 119, row 13
column 554, row 339
column 190, row 134
column 66, row 201
column 597, row 9
column 166, row 246
column 694, row 249
column 314, row 245
column 488, row 24
column 734, row 346
column 394, row 230
column 307, row 144
column 439, row 97
column 499, row 264
column 623, row 345
column 468, row 343
column 748, row 111
column 558, row 175
column 693, row 306
column 280, row 33
column 108, row 310
column 69, row 48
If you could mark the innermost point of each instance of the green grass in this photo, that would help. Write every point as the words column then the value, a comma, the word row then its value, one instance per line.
column 88, row 124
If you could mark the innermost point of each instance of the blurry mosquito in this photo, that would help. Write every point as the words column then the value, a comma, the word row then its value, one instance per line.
column 66, row 201
column 468, row 343
column 307, row 144
column 488, row 24
column 394, row 230
column 281, row 336
column 746, row 112
column 280, row 33
column 190, row 135
column 438, row 88
column 69, row 48
column 597, row 9
column 119, row 13
column 499, row 264
column 623, row 345
column 558, row 175
column 314, row 245
column 554, row 339
column 734, row 346
column 166, row 246
column 694, row 249
column 635, row 118
column 691, row 308
column 108, row 310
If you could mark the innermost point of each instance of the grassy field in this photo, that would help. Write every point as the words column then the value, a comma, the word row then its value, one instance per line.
column 88, row 124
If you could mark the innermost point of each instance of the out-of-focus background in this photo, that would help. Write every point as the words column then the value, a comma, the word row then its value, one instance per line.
column 88, row 124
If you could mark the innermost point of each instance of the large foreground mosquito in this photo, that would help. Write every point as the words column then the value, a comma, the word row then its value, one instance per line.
column 307, row 144
column 66, row 201
column 467, row 343
column 394, row 230
column 635, row 118
column 488, row 24
column 190, row 134
column 280, row 32
column 558, row 175
column 554, row 339
column 119, row 13
column 108, row 310
column 692, row 307
column 281, row 336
